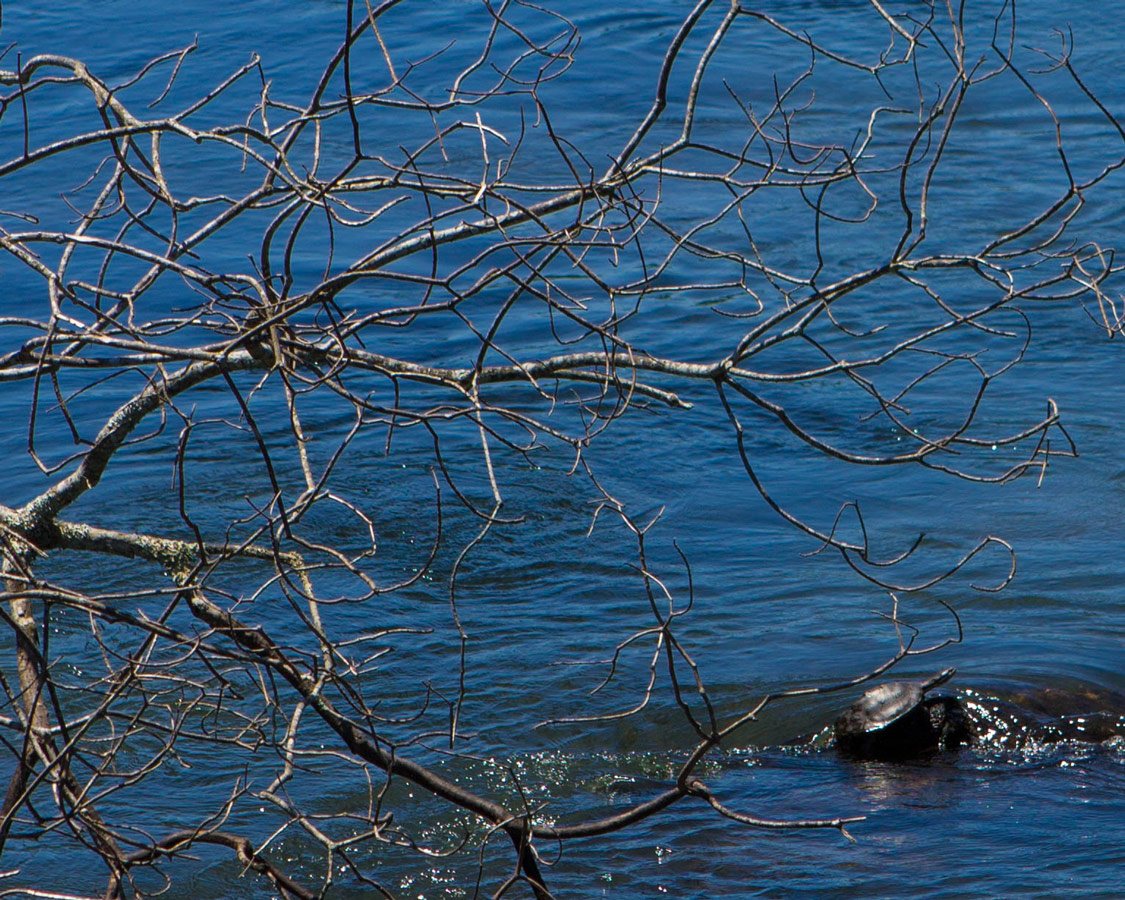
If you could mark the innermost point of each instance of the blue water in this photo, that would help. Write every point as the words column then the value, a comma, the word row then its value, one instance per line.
column 544, row 602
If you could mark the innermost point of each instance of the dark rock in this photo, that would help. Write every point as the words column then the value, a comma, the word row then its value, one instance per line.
column 897, row 721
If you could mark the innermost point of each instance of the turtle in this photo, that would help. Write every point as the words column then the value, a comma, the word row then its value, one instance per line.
column 898, row 721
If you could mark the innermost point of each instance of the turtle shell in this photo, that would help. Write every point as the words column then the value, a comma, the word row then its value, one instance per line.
column 887, row 703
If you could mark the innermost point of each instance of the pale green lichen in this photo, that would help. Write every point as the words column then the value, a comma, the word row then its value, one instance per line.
column 177, row 558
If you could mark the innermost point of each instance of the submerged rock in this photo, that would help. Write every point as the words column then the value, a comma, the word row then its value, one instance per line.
column 1032, row 717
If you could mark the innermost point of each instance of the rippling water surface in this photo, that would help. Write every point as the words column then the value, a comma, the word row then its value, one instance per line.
column 1026, row 812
